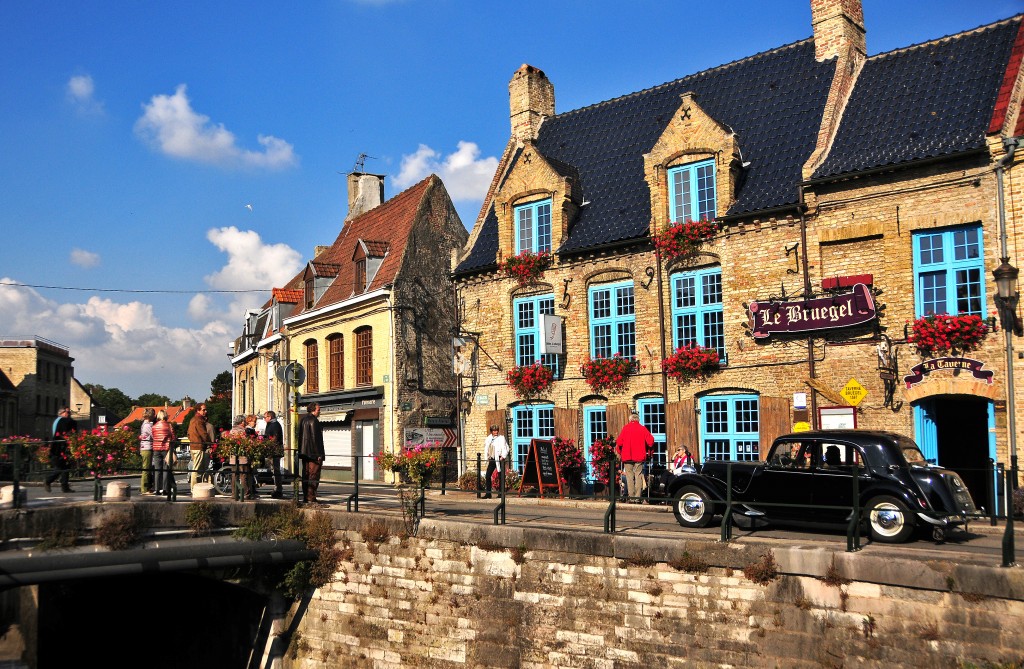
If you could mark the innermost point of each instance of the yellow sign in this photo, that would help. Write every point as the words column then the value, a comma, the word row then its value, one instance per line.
column 802, row 426
column 853, row 392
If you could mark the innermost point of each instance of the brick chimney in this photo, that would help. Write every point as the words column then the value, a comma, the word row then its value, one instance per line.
column 838, row 28
column 365, row 191
column 531, row 99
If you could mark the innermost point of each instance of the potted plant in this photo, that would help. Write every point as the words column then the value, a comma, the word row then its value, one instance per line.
column 529, row 381
column 685, row 238
column 942, row 333
column 691, row 362
column 602, row 461
column 417, row 463
column 570, row 461
column 610, row 374
column 527, row 267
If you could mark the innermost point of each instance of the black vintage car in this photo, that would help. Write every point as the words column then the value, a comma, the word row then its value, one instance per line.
column 897, row 489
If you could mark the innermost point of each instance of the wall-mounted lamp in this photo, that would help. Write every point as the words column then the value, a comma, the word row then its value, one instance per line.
column 1007, row 296
column 466, row 404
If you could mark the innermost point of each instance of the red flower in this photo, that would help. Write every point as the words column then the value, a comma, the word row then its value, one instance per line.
column 685, row 238
column 526, row 267
column 691, row 362
column 942, row 333
column 608, row 373
column 530, row 380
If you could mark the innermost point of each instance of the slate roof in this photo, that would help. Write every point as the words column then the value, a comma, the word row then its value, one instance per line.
column 773, row 101
column 929, row 100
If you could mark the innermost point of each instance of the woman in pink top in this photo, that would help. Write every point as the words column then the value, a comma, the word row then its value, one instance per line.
column 163, row 435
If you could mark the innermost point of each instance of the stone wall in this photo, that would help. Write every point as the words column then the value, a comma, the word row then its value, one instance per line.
column 460, row 595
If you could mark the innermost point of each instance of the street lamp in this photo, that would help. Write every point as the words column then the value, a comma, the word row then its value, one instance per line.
column 1007, row 296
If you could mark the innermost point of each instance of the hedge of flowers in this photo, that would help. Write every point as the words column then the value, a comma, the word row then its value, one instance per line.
column 690, row 362
column 417, row 463
column 943, row 333
column 527, row 267
column 99, row 451
column 512, row 479
column 529, row 381
column 602, row 460
column 684, row 239
column 32, row 449
column 570, row 460
column 610, row 374
column 254, row 449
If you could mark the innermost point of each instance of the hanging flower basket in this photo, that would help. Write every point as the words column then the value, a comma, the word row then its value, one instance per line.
column 610, row 374
column 529, row 381
column 684, row 239
column 691, row 362
column 570, row 461
column 526, row 268
column 941, row 333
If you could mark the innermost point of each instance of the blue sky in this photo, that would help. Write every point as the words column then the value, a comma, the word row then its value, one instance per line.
column 135, row 134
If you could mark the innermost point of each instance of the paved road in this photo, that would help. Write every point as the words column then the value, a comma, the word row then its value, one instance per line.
column 981, row 544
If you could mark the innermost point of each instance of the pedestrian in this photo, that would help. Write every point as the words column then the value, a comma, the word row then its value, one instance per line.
column 238, row 426
column 250, row 426
column 274, row 435
column 496, row 452
column 311, row 452
column 199, row 439
column 632, row 446
column 59, row 458
column 163, row 438
column 146, row 450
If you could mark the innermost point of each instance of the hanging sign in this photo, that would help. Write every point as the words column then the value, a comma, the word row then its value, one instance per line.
column 822, row 313
column 551, row 341
column 853, row 392
column 918, row 372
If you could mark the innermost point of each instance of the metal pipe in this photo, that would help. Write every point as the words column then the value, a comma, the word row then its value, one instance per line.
column 1011, row 148
column 811, row 371
column 661, row 329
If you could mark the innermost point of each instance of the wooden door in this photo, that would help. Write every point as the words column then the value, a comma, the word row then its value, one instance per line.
column 776, row 420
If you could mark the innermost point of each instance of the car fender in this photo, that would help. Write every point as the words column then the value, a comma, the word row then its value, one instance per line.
column 709, row 485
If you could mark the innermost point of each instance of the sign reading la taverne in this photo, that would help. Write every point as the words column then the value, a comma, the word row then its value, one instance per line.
column 821, row 313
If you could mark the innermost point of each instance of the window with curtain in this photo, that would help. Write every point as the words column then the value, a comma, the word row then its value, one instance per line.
column 730, row 427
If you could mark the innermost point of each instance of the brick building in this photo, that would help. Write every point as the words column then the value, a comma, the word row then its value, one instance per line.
column 41, row 373
column 370, row 319
column 852, row 195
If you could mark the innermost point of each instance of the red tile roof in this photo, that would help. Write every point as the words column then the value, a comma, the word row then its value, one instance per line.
column 287, row 296
column 175, row 414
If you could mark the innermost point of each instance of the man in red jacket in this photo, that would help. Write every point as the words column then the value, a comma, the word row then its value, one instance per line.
column 634, row 443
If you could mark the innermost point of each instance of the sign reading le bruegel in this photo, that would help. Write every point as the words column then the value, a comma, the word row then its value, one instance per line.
column 821, row 313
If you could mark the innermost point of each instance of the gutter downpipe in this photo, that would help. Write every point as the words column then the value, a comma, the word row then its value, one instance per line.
column 1010, row 144
column 811, row 371
column 661, row 319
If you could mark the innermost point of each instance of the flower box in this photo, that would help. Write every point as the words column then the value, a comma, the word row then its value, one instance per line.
column 942, row 333
column 611, row 374
column 684, row 239
column 691, row 362
column 526, row 268
column 529, row 381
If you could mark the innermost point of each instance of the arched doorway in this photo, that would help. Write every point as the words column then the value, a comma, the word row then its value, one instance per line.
column 954, row 432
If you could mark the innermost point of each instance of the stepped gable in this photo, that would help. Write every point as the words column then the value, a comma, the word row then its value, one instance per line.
column 925, row 101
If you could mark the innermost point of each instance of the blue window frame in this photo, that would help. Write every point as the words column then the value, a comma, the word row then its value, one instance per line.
column 652, row 416
column 612, row 320
column 949, row 272
column 697, row 310
column 595, row 426
column 730, row 427
column 533, row 227
column 534, row 421
column 527, row 312
column 692, row 191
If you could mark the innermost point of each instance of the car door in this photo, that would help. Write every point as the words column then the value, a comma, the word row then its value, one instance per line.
column 833, row 479
column 787, row 478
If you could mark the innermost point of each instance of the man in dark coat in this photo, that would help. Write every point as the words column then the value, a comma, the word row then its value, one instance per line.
column 64, row 426
column 273, row 433
column 311, row 452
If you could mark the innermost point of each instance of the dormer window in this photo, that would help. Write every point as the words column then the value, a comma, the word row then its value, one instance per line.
column 309, row 293
column 360, row 281
column 533, row 227
column 692, row 192
column 366, row 260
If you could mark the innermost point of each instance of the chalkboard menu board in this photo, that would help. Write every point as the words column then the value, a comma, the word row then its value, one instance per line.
column 541, row 468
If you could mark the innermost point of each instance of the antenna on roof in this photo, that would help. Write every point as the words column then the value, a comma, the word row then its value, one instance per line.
column 361, row 162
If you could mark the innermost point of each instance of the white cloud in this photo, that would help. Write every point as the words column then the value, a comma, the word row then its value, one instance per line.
column 83, row 258
column 251, row 262
column 465, row 174
column 171, row 125
column 81, row 91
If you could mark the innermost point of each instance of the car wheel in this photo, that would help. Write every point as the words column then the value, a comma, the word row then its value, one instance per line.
column 692, row 507
column 222, row 481
column 889, row 520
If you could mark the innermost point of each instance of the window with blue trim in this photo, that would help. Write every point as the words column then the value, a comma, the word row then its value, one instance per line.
column 595, row 426
column 730, row 427
column 527, row 312
column 612, row 320
column 533, row 227
column 949, row 272
column 652, row 416
column 692, row 191
column 697, row 310
column 533, row 421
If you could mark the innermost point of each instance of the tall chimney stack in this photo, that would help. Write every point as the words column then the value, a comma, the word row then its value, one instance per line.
column 531, row 99
column 838, row 28
column 365, row 191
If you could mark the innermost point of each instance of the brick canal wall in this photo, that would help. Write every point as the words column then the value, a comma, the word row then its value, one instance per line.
column 462, row 595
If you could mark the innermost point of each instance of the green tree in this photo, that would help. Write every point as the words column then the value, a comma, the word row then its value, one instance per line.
column 218, row 406
column 117, row 404
column 153, row 400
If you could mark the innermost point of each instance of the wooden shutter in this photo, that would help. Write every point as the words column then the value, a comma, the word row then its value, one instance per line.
column 567, row 424
column 497, row 417
column 618, row 416
column 776, row 420
column 681, row 428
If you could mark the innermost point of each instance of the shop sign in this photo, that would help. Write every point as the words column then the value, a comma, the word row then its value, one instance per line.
column 802, row 426
column 853, row 392
column 918, row 372
column 429, row 436
column 822, row 313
